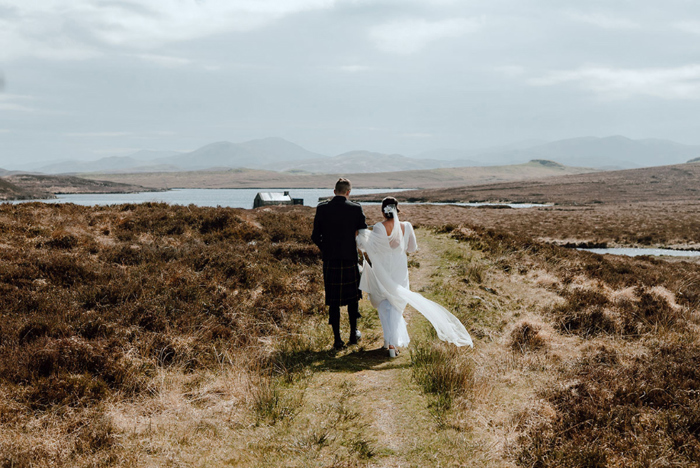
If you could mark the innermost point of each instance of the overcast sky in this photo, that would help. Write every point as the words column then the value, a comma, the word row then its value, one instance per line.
column 84, row 79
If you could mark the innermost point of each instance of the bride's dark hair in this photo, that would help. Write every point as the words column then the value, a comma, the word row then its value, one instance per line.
column 390, row 201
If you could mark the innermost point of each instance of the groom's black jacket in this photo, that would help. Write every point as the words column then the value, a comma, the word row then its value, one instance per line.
column 334, row 228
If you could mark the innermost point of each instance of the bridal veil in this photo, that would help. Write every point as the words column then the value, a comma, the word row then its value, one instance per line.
column 385, row 277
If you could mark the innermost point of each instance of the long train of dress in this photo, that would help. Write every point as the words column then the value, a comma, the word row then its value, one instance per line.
column 386, row 279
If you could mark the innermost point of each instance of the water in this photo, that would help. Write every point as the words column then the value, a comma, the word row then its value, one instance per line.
column 232, row 198
column 636, row 252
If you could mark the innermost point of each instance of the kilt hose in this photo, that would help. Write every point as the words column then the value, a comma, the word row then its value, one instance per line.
column 341, row 279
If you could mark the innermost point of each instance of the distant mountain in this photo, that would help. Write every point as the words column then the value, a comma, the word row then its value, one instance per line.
column 362, row 162
column 278, row 154
column 150, row 155
column 135, row 161
column 279, row 149
column 607, row 153
column 694, row 160
column 223, row 154
column 462, row 157
column 104, row 164
column 250, row 154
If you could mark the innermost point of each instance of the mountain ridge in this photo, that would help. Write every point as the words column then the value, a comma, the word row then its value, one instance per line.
column 278, row 154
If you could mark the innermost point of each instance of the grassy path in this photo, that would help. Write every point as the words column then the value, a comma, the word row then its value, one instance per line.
column 361, row 408
column 374, row 412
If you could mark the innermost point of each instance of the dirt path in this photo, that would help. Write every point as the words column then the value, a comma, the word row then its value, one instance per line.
column 360, row 408
column 392, row 411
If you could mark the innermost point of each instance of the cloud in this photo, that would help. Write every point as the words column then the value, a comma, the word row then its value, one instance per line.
column 164, row 60
column 408, row 36
column 510, row 70
column 42, row 38
column 692, row 27
column 618, row 83
column 79, row 29
column 603, row 20
column 144, row 135
column 98, row 134
column 354, row 68
column 8, row 102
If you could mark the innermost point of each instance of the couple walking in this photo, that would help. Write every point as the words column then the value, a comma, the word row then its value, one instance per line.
column 340, row 231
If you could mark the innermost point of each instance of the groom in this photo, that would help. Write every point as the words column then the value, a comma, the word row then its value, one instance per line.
column 335, row 227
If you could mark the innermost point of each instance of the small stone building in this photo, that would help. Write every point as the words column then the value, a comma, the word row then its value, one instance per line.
column 275, row 198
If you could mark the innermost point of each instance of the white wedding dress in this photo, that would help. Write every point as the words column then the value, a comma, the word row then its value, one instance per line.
column 386, row 282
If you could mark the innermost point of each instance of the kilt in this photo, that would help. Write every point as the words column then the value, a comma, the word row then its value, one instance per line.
column 341, row 279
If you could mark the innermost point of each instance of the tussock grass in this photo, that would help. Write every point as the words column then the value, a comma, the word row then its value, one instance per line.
column 440, row 371
column 270, row 404
column 526, row 337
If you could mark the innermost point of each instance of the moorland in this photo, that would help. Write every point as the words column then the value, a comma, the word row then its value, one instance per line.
column 650, row 184
column 20, row 186
column 429, row 178
column 151, row 335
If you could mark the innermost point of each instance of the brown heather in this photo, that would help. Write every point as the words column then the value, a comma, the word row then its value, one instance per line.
column 634, row 404
column 95, row 301
column 157, row 335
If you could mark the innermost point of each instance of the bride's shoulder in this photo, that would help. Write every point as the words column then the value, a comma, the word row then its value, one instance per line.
column 379, row 225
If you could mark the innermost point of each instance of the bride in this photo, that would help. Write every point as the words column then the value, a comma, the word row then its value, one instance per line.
column 385, row 279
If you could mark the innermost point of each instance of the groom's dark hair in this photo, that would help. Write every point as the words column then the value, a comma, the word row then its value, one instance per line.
column 343, row 186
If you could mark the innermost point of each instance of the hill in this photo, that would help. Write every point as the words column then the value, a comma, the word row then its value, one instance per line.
column 10, row 191
column 33, row 186
column 254, row 153
column 433, row 178
column 665, row 183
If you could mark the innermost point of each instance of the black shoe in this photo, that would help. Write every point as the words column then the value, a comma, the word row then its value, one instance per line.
column 338, row 345
column 355, row 337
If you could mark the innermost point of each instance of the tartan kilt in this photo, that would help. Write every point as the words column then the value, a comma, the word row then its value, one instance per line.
column 341, row 279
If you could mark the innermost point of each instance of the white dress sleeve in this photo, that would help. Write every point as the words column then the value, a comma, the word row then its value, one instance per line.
column 410, row 235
